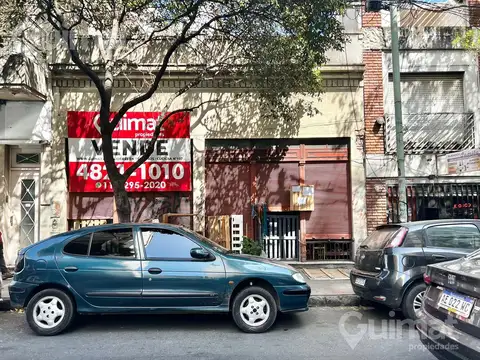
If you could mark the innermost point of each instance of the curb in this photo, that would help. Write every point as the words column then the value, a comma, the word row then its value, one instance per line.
column 314, row 301
column 334, row 300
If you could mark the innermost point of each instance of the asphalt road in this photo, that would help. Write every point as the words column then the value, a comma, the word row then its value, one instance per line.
column 320, row 333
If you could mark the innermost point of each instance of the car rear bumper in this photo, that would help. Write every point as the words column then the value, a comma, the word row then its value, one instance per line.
column 293, row 298
column 446, row 342
column 385, row 288
column 19, row 293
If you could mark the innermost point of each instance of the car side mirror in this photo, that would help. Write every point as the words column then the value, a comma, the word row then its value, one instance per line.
column 200, row 254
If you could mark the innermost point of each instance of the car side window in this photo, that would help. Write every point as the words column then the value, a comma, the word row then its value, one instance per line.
column 78, row 246
column 468, row 236
column 113, row 243
column 166, row 244
column 463, row 236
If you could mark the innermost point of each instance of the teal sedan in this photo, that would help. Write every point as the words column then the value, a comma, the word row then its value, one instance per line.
column 149, row 268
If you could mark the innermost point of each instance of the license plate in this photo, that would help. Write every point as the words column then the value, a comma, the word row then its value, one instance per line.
column 360, row 281
column 456, row 303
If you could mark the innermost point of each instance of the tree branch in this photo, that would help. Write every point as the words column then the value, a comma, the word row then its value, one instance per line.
column 151, row 146
column 56, row 20
column 182, row 39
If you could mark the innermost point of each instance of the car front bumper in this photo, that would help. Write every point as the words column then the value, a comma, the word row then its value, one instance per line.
column 445, row 341
column 293, row 298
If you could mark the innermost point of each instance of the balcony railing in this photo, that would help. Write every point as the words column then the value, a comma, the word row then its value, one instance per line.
column 437, row 133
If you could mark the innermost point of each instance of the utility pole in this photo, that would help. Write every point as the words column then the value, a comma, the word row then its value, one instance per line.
column 377, row 6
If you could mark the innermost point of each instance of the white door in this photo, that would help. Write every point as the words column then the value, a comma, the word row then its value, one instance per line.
column 24, row 207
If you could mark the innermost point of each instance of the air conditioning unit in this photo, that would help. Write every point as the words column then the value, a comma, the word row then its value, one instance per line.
column 302, row 198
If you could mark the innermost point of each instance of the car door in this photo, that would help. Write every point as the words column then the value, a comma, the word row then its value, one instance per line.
column 103, row 267
column 172, row 277
column 450, row 241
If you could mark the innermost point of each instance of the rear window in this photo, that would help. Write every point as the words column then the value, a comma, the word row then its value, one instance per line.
column 379, row 238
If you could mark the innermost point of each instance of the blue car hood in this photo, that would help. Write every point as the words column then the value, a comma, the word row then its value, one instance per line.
column 261, row 260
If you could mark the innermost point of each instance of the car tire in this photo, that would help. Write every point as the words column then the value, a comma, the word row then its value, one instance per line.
column 50, row 312
column 412, row 300
column 254, row 309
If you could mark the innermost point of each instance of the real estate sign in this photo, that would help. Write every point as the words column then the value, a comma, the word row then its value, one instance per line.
column 167, row 169
column 463, row 161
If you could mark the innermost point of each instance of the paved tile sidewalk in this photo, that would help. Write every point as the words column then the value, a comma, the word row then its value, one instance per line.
column 327, row 273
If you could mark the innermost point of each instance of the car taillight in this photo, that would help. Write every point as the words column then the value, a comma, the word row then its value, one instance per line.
column 427, row 279
column 20, row 263
column 398, row 239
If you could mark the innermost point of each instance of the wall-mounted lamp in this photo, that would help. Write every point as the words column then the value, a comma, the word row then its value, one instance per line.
column 380, row 120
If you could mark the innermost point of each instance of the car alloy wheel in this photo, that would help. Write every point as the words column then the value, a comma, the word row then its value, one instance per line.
column 413, row 300
column 417, row 303
column 49, row 312
column 255, row 310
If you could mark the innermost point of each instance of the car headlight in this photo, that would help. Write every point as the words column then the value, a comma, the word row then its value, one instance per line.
column 299, row 277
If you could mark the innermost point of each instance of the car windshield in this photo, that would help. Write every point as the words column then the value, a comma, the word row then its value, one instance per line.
column 379, row 238
column 210, row 243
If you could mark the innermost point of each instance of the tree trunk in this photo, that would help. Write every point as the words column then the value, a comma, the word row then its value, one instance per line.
column 122, row 204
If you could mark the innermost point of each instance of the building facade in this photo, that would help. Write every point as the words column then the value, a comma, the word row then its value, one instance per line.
column 244, row 166
column 439, row 87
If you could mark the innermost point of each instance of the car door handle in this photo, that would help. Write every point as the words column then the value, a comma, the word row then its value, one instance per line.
column 154, row 271
column 439, row 257
column 71, row 269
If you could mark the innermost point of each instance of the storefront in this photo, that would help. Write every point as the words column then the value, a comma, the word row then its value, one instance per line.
column 252, row 181
column 430, row 201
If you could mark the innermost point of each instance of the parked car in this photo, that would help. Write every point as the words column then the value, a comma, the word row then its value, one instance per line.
column 390, row 263
column 142, row 268
column 449, row 324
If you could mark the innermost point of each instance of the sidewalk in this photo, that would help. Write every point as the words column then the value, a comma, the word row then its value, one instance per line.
column 4, row 297
column 333, row 292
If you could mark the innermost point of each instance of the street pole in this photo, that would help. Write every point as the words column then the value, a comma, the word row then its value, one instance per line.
column 397, row 94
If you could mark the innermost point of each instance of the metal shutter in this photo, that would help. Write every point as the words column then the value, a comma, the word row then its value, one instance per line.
column 427, row 94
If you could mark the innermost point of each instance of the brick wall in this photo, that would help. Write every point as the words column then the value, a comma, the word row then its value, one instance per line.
column 373, row 100
column 371, row 19
column 376, row 191
column 376, row 201
column 474, row 13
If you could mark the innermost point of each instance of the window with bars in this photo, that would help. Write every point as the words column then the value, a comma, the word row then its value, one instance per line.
column 436, row 201
column 29, row 159
column 434, row 116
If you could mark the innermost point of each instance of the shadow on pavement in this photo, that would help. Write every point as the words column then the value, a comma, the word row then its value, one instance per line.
column 156, row 322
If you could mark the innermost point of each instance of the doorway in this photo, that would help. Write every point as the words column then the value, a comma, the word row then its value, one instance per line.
column 23, row 208
column 24, row 214
column 281, row 239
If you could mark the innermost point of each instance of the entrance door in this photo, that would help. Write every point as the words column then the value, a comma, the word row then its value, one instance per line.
column 23, row 206
column 281, row 240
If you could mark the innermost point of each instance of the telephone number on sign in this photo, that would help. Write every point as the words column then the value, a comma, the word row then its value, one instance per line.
column 149, row 177
column 134, row 185
column 150, row 171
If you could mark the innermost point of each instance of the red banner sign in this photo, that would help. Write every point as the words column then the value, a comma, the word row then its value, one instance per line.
column 167, row 169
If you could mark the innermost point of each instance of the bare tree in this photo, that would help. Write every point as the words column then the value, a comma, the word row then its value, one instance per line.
column 278, row 45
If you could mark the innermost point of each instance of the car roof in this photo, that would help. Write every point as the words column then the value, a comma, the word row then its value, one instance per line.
column 121, row 225
column 415, row 225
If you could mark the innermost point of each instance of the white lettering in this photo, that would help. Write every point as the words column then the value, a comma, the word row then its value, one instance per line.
column 129, row 124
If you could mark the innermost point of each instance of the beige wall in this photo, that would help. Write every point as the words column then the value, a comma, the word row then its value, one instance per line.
column 340, row 115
